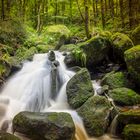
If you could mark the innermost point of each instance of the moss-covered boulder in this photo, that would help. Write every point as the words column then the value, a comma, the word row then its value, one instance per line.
column 121, row 43
column 131, row 132
column 68, row 47
column 132, row 58
column 128, row 117
column 96, row 49
column 7, row 136
column 136, row 36
column 116, row 80
column 57, row 34
column 45, row 126
column 124, row 97
column 79, row 88
column 94, row 113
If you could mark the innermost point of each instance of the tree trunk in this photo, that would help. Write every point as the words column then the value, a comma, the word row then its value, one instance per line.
column 121, row 12
column 130, row 14
column 2, row 10
column 39, row 17
column 70, row 19
column 94, row 12
column 8, row 7
column 102, row 13
column 80, row 11
column 87, row 18
column 56, row 10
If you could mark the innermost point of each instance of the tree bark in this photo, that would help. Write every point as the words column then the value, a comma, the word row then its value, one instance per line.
column 102, row 13
column 130, row 14
column 87, row 18
column 2, row 10
column 121, row 12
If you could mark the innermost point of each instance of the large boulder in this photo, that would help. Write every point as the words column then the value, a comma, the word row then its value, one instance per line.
column 96, row 49
column 45, row 126
column 131, row 132
column 7, row 136
column 79, row 88
column 136, row 36
column 132, row 58
column 95, row 115
column 124, row 97
column 116, row 80
column 56, row 34
column 121, row 43
column 128, row 117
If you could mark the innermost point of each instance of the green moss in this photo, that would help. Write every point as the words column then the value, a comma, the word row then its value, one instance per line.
column 79, row 88
column 121, row 43
column 124, row 97
column 69, row 47
column 132, row 58
column 94, row 113
column 116, row 80
column 129, row 117
column 136, row 36
column 56, row 34
column 131, row 132
column 7, row 136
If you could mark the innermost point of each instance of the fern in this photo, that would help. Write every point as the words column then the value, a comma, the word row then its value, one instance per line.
column 80, row 56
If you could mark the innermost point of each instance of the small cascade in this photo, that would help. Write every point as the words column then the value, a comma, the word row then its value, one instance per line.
column 113, row 126
column 96, row 86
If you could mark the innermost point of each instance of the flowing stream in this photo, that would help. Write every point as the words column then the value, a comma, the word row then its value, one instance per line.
column 31, row 89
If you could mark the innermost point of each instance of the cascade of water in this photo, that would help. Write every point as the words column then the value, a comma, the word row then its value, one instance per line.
column 31, row 89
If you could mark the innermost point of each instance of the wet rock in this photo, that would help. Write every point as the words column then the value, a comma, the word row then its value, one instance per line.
column 132, row 58
column 79, row 88
column 7, row 136
column 116, row 80
column 128, row 117
column 45, row 126
column 103, row 90
column 70, row 61
column 75, row 68
column 131, row 132
column 95, row 112
column 51, row 56
column 124, row 97
column 121, row 43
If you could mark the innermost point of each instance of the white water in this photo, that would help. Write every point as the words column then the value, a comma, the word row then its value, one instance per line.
column 30, row 90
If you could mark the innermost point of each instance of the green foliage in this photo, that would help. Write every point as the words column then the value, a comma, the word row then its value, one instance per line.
column 11, row 32
column 23, row 53
column 80, row 56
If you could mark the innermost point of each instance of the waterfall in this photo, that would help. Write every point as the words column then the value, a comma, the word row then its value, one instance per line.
column 40, row 86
